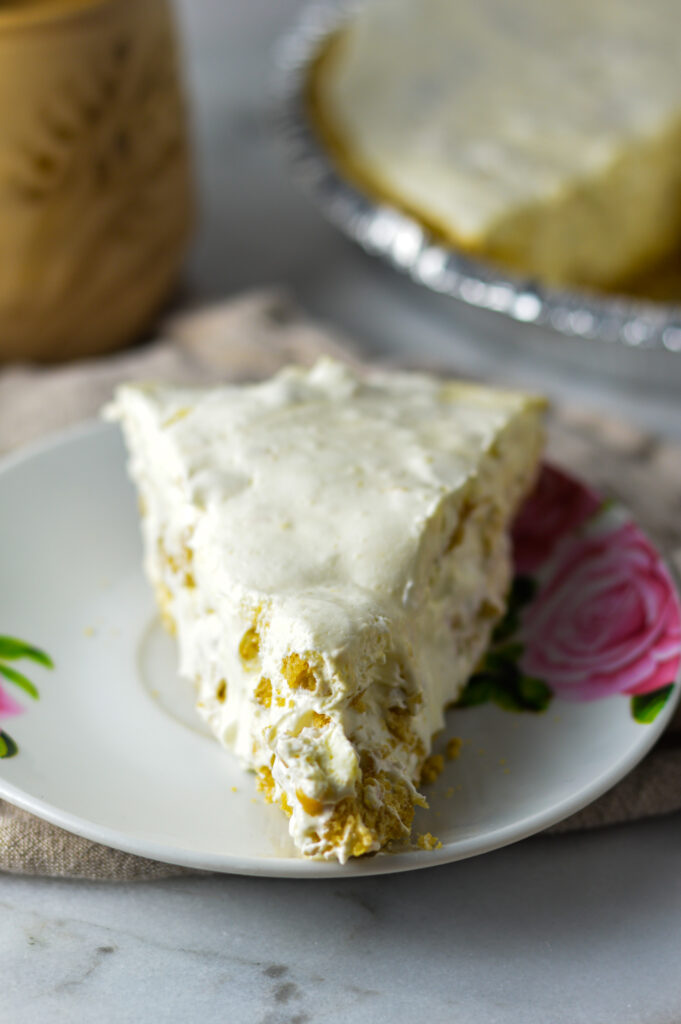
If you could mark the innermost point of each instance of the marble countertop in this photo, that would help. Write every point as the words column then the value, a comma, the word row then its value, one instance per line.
column 578, row 929
column 572, row 930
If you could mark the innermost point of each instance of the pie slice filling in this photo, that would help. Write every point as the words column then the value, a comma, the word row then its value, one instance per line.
column 332, row 552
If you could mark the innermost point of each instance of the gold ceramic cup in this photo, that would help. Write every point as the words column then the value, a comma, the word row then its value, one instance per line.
column 95, row 182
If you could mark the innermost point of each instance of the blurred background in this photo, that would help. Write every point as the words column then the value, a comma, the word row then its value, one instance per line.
column 209, row 173
column 256, row 226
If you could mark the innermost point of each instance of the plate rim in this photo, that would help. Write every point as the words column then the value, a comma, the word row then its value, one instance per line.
column 289, row 867
column 383, row 230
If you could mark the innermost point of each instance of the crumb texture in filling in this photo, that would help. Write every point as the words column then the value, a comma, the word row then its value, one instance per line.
column 333, row 555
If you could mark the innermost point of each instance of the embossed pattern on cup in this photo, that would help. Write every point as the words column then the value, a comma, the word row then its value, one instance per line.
column 95, row 179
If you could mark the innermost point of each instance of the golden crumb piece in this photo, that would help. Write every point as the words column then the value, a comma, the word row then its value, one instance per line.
column 249, row 647
column 298, row 673
column 320, row 720
column 399, row 722
column 265, row 783
column 164, row 599
column 263, row 692
column 169, row 559
column 182, row 564
column 346, row 823
column 285, row 805
column 280, row 701
column 433, row 767
column 414, row 701
column 357, row 703
column 221, row 692
column 309, row 804
column 235, row 789
column 453, row 748
column 490, row 610
column 465, row 512
column 428, row 842
column 176, row 417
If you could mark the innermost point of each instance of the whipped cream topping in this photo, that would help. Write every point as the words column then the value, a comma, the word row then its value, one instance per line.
column 297, row 535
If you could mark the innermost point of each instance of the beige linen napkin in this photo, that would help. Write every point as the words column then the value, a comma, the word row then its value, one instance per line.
column 251, row 337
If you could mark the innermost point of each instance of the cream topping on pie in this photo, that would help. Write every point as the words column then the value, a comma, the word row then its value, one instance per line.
column 332, row 552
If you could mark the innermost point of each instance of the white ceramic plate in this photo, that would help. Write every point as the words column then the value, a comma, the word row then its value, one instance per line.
column 112, row 749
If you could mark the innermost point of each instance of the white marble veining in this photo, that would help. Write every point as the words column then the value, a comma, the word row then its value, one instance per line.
column 581, row 929
column 571, row 930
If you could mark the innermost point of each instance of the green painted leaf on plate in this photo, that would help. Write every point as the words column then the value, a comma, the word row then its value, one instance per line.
column 522, row 592
column 534, row 693
column 500, row 678
column 11, row 649
column 8, row 747
column 19, row 679
column 645, row 707
column 478, row 690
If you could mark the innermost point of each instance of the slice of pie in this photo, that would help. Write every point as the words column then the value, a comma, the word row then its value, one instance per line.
column 538, row 134
column 332, row 552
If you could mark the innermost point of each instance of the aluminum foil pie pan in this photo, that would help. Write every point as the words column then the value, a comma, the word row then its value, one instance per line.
column 618, row 321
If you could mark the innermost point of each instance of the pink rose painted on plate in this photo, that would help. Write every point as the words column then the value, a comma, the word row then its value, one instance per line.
column 557, row 506
column 8, row 705
column 607, row 621
column 592, row 612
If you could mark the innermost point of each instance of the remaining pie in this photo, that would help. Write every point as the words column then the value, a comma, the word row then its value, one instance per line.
column 540, row 134
column 332, row 552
